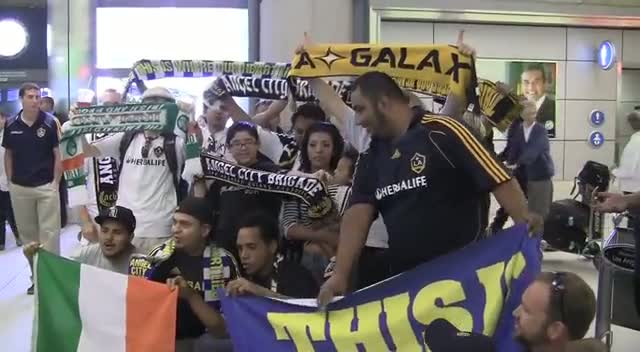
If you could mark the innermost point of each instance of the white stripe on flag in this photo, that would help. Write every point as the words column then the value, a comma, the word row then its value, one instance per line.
column 103, row 310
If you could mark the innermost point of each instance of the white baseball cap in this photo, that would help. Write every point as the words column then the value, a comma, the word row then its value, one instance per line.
column 157, row 92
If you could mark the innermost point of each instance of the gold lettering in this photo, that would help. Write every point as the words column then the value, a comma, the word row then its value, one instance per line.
column 449, row 292
column 514, row 269
column 367, row 331
column 296, row 324
column 491, row 279
column 396, row 309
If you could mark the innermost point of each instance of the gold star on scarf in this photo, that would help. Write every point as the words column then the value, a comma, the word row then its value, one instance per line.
column 329, row 58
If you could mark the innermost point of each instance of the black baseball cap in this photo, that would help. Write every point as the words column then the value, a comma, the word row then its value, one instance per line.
column 442, row 336
column 199, row 208
column 120, row 214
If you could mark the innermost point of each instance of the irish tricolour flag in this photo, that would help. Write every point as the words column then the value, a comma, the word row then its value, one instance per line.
column 84, row 308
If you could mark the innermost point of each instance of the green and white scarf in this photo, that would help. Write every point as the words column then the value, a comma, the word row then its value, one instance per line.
column 163, row 118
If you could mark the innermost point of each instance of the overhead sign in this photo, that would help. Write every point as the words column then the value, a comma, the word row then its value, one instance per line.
column 596, row 139
column 597, row 118
column 606, row 55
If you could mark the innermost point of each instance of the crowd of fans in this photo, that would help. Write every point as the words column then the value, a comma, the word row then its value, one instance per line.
column 266, row 244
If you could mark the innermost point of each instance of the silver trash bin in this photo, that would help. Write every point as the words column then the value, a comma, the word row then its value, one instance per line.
column 616, row 291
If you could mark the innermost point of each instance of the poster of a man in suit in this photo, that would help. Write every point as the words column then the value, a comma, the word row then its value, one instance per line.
column 536, row 82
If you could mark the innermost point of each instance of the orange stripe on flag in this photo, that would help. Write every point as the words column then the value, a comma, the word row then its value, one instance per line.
column 151, row 316
column 73, row 163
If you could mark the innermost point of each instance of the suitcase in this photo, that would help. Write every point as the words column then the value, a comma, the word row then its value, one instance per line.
column 566, row 225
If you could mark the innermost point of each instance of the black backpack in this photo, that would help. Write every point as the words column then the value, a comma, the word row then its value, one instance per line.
column 593, row 175
column 566, row 225
column 169, row 146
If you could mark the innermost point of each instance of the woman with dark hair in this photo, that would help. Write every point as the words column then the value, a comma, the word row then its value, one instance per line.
column 229, row 202
column 322, row 148
column 308, row 241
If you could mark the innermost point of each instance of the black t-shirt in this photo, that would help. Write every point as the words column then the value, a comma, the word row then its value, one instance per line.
column 292, row 280
column 32, row 149
column 190, row 268
column 428, row 185
column 232, row 202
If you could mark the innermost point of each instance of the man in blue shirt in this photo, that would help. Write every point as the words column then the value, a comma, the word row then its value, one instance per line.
column 33, row 165
column 426, row 175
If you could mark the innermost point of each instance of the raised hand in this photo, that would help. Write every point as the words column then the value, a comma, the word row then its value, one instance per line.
column 464, row 48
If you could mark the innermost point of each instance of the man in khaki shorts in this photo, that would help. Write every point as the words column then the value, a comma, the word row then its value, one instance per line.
column 33, row 165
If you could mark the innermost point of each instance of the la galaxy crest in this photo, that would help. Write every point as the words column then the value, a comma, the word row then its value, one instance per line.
column 418, row 163
column 158, row 151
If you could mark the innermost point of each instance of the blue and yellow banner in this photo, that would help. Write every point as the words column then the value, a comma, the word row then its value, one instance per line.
column 476, row 289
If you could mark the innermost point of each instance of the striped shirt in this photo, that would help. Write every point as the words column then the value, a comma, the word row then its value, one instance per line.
column 296, row 212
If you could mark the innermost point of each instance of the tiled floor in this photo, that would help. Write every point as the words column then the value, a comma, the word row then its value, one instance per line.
column 16, row 308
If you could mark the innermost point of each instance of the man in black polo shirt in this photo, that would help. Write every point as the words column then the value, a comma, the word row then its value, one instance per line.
column 425, row 175
column 34, row 168
column 257, row 244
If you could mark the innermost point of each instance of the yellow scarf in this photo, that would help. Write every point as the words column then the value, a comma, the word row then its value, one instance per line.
column 435, row 70
column 499, row 108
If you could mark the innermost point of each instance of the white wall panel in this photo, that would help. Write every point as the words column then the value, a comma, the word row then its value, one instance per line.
column 582, row 43
column 629, row 86
column 283, row 23
column 630, row 49
column 579, row 152
column 557, row 155
column 514, row 5
column 406, row 32
column 512, row 42
column 585, row 80
column 561, row 80
column 561, row 120
column 577, row 120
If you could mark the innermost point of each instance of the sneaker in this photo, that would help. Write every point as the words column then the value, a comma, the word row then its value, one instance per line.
column 1, row 247
column 30, row 289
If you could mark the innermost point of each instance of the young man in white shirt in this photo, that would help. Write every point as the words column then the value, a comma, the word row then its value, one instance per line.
column 147, row 184
column 6, row 211
column 107, row 174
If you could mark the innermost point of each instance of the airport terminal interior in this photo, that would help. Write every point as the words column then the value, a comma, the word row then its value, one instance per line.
column 552, row 85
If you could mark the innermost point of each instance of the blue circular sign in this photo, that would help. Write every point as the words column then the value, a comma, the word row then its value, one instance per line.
column 597, row 117
column 596, row 139
column 606, row 55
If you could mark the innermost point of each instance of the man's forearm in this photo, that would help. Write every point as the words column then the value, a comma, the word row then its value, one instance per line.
column 8, row 164
column 57, row 166
column 235, row 111
column 509, row 195
column 633, row 201
column 211, row 318
column 354, row 230
column 89, row 150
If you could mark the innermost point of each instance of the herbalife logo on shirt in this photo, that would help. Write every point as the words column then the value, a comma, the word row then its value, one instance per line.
column 146, row 162
column 404, row 185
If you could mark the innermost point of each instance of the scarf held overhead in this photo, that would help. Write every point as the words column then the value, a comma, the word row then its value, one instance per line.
column 435, row 70
column 309, row 190
column 111, row 119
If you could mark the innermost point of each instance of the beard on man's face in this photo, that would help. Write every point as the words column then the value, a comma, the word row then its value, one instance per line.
column 535, row 340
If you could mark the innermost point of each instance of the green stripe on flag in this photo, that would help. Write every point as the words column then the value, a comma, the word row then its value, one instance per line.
column 58, row 313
